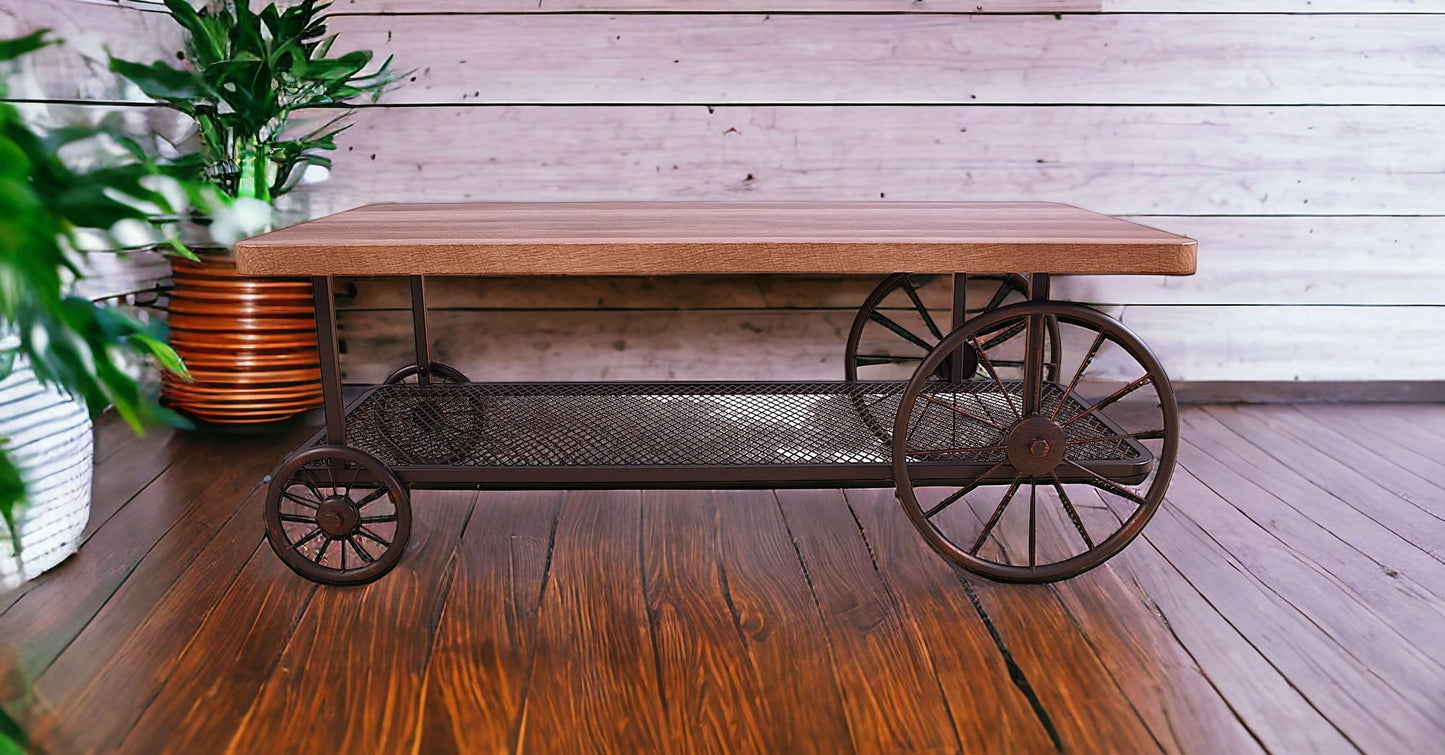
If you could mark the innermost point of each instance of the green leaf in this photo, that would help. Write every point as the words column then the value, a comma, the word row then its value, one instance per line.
column 159, row 80
column 12, row 497
column 11, row 49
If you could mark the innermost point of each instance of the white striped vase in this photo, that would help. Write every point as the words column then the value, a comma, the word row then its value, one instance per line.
column 48, row 436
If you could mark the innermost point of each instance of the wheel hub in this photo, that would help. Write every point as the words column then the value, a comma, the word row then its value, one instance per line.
column 1036, row 446
column 337, row 516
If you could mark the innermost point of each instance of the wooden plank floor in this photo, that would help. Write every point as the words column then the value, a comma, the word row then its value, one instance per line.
column 1289, row 597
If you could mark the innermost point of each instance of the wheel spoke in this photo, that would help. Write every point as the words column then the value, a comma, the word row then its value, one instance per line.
column 1084, row 365
column 378, row 519
column 899, row 330
column 298, row 519
column 1033, row 370
column 354, row 477
column 1073, row 513
column 1007, row 335
column 988, row 366
column 868, row 360
column 303, row 502
column 962, row 412
column 1121, row 393
column 993, row 520
column 372, row 497
column 1104, row 483
column 922, row 310
column 312, row 536
column 963, row 491
column 1033, row 537
column 366, row 557
column 998, row 296
column 321, row 552
column 311, row 486
column 372, row 536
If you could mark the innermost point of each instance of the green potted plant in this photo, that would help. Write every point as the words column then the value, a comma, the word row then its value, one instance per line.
column 267, row 98
column 62, row 357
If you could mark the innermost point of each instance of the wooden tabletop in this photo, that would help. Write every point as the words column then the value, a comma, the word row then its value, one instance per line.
column 681, row 238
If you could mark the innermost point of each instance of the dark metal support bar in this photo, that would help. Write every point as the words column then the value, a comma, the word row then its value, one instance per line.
column 960, row 313
column 419, row 330
column 324, row 291
column 1034, row 355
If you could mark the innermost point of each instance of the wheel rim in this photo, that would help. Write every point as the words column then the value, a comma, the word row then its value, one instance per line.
column 1054, row 485
column 337, row 516
column 441, row 373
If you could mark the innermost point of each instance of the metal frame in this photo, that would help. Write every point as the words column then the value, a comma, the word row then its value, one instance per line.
column 332, row 440
column 698, row 476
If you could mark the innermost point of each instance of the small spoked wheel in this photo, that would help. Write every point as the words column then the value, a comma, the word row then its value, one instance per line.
column 1032, row 479
column 440, row 373
column 905, row 317
column 337, row 516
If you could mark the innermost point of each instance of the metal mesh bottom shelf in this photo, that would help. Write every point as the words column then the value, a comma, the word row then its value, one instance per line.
column 571, row 425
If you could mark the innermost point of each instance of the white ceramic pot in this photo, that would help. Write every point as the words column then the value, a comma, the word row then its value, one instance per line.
column 48, row 436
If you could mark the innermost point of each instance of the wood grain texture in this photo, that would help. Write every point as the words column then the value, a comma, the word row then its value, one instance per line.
column 1255, row 612
column 904, row 711
column 690, row 238
column 892, row 6
column 477, row 676
column 217, row 677
column 721, row 59
column 1266, row 701
column 1114, row 160
column 51, row 614
column 1341, row 686
column 671, row 6
column 714, row 58
column 1209, row 439
column 1246, row 260
column 141, row 633
column 1194, row 343
column 714, row 703
column 973, row 675
column 779, row 624
column 1086, row 704
column 594, row 683
column 381, row 669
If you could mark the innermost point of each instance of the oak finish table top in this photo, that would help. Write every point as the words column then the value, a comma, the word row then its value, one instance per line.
column 687, row 238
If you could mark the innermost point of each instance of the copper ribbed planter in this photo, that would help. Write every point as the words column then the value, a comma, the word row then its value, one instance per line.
column 250, row 344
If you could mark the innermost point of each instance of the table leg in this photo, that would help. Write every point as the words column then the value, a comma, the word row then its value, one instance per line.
column 1034, row 353
column 419, row 330
column 956, row 364
column 324, row 290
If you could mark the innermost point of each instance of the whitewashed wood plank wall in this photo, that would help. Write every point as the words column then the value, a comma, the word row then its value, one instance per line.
column 1296, row 139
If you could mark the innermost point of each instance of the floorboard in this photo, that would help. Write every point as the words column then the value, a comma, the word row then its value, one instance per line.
column 1285, row 598
column 487, row 637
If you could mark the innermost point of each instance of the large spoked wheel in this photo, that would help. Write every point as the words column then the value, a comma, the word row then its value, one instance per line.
column 1036, row 480
column 903, row 320
column 337, row 516
column 440, row 373
column 905, row 317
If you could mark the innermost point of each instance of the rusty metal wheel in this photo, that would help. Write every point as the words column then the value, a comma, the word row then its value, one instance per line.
column 905, row 317
column 440, row 373
column 337, row 516
column 1036, row 480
